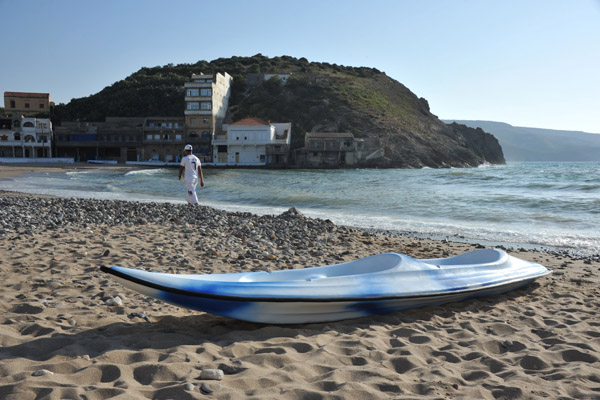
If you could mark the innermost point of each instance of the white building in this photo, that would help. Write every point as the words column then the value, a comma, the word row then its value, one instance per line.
column 206, row 102
column 252, row 141
column 25, row 137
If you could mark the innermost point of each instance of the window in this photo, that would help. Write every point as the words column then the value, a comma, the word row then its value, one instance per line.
column 17, row 136
column 176, row 125
column 149, row 137
column 108, row 138
column 12, row 104
column 206, row 105
column 41, row 105
column 205, row 92
column 28, row 124
column 205, row 120
column 192, row 93
column 26, row 105
column 150, row 124
column 192, row 105
column 262, row 158
column 192, row 121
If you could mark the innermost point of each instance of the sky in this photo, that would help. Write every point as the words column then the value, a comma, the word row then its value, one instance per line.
column 533, row 63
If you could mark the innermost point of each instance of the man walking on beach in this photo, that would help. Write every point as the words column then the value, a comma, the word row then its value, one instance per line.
column 193, row 171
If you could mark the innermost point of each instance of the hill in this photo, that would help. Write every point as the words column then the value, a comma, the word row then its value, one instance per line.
column 318, row 97
column 535, row 144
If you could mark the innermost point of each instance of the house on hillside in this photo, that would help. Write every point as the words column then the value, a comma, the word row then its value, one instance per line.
column 256, row 79
column 253, row 142
column 25, row 137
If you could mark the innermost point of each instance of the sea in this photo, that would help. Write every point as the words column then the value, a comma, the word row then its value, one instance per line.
column 534, row 205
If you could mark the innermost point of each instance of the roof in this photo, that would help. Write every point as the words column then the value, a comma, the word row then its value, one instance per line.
column 24, row 94
column 251, row 121
column 331, row 135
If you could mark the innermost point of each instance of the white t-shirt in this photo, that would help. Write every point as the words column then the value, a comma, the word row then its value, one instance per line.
column 191, row 164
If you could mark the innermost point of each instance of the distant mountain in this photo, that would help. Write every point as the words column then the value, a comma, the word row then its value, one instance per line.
column 318, row 97
column 534, row 144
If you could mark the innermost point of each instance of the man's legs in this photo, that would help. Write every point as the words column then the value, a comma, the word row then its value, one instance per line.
column 192, row 198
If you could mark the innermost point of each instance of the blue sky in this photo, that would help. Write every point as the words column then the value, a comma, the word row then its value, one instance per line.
column 532, row 63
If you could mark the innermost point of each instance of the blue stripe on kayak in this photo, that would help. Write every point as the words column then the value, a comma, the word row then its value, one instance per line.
column 221, row 307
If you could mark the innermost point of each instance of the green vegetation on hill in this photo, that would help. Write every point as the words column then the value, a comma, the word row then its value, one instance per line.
column 318, row 97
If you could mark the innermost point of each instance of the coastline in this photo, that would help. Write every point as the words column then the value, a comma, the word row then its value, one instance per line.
column 61, row 338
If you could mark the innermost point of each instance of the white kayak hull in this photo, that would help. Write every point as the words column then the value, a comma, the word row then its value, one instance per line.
column 378, row 284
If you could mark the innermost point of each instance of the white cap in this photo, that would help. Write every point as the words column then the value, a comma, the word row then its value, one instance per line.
column 188, row 147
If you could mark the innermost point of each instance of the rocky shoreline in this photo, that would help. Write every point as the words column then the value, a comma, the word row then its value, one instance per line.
column 24, row 213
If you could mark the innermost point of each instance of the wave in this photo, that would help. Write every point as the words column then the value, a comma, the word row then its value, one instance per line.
column 152, row 171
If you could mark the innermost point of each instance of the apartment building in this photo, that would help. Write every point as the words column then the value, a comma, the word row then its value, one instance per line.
column 27, row 104
column 163, row 139
column 253, row 142
column 206, row 102
column 25, row 137
column 116, row 139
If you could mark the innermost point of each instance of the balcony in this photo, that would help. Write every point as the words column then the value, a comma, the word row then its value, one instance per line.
column 162, row 141
column 198, row 98
column 19, row 143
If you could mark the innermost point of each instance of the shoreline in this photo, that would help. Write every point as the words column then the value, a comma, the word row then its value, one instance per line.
column 16, row 170
column 63, row 334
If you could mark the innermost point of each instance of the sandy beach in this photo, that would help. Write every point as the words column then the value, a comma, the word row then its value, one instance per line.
column 64, row 336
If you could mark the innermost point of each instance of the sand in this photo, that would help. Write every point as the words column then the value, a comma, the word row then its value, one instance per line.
column 60, row 338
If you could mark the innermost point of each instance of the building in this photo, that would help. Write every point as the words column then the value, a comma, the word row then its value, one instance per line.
column 25, row 137
column 116, row 139
column 163, row 139
column 120, row 140
column 329, row 150
column 256, row 79
column 206, row 103
column 27, row 104
column 253, row 142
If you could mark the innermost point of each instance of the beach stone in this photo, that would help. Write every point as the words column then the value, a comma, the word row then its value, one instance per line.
column 42, row 372
column 209, row 388
column 114, row 301
column 212, row 374
column 189, row 387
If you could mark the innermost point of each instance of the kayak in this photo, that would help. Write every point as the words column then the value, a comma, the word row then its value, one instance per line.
column 377, row 284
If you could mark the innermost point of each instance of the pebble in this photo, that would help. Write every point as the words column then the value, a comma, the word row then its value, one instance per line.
column 114, row 301
column 42, row 372
column 212, row 374
column 209, row 388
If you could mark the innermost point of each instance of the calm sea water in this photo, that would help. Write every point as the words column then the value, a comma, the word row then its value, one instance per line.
column 533, row 205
